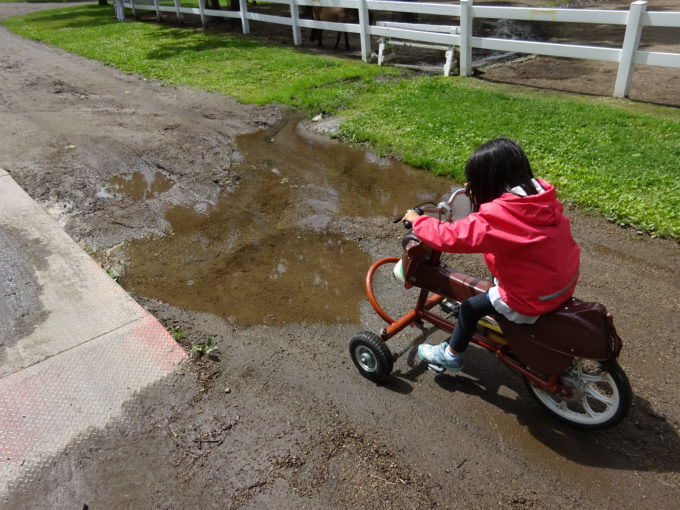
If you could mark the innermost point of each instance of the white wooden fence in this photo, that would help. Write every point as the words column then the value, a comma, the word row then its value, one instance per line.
column 463, row 14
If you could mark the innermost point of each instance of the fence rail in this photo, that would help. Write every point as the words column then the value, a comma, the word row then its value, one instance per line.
column 629, row 54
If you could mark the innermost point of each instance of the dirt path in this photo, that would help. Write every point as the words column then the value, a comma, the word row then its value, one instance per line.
column 282, row 419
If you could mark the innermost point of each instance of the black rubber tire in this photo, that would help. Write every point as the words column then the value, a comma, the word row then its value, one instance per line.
column 624, row 394
column 371, row 356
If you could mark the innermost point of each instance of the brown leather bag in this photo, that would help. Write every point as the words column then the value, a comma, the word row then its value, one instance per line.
column 575, row 329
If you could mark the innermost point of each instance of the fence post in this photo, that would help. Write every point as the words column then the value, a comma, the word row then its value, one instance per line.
column 134, row 11
column 364, row 22
column 465, row 35
column 157, row 5
column 243, row 4
column 631, row 42
column 179, row 14
column 119, row 5
column 294, row 16
column 201, row 9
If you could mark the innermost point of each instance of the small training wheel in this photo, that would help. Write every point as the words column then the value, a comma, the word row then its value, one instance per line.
column 371, row 356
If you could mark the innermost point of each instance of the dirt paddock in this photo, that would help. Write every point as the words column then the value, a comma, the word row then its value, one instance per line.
column 651, row 84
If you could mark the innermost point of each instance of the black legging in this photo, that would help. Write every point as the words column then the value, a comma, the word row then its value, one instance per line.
column 471, row 310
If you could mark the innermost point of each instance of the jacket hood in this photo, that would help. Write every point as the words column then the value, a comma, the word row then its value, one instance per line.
column 540, row 209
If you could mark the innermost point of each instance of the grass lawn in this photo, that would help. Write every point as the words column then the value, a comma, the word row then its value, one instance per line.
column 621, row 163
column 613, row 156
column 39, row 1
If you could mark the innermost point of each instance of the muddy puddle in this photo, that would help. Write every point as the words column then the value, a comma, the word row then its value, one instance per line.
column 265, row 252
column 143, row 185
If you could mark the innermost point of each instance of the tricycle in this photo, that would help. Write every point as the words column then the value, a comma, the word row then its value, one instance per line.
column 568, row 359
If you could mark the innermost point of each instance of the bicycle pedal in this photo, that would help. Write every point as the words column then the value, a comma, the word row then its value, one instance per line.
column 450, row 307
column 435, row 368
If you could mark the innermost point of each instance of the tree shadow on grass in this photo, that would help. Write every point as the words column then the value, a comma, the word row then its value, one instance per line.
column 176, row 41
column 88, row 16
column 54, row 1
column 183, row 41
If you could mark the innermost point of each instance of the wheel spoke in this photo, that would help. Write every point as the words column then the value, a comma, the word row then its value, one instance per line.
column 579, row 370
column 588, row 409
column 586, row 377
column 592, row 392
column 589, row 378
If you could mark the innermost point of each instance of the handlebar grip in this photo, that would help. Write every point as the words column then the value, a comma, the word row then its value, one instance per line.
column 407, row 224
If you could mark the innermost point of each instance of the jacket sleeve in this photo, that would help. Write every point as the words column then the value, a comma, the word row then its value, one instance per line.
column 472, row 234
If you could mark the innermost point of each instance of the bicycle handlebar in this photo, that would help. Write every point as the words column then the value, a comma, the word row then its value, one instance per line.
column 445, row 207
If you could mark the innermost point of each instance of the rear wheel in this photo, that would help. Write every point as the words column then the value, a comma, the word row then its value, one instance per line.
column 371, row 356
column 600, row 398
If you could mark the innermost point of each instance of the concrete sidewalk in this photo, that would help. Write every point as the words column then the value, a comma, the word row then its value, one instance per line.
column 74, row 347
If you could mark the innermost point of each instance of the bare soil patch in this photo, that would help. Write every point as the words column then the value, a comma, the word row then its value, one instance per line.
column 280, row 417
column 650, row 84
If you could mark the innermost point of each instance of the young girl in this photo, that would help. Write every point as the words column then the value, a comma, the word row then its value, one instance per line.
column 518, row 224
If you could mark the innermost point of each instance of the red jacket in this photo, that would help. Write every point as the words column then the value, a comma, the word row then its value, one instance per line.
column 527, row 245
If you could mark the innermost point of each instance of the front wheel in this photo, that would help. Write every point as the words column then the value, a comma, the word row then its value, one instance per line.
column 600, row 398
column 371, row 356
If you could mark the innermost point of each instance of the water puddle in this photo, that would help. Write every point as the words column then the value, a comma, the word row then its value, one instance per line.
column 138, row 185
column 287, row 278
column 264, row 253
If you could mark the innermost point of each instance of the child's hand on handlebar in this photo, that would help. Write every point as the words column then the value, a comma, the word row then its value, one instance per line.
column 411, row 216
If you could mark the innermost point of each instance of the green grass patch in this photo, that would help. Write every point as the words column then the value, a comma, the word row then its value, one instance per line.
column 232, row 64
column 616, row 157
column 39, row 1
column 621, row 163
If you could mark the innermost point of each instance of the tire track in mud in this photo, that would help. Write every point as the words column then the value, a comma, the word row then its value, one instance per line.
column 78, row 123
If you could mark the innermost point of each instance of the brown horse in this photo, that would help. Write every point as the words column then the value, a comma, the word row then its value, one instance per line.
column 337, row 15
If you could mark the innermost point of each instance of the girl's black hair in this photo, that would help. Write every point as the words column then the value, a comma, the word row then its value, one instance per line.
column 496, row 167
